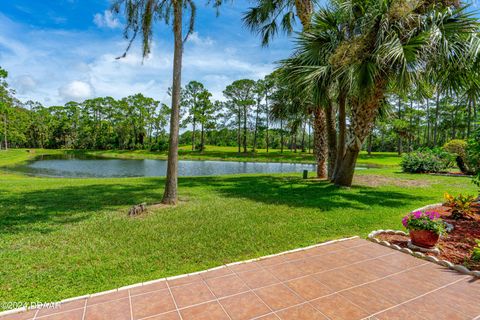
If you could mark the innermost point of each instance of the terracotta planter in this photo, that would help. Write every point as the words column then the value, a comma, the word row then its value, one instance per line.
column 424, row 238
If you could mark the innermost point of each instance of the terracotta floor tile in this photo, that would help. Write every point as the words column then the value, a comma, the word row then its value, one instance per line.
column 374, row 250
column 191, row 294
column 309, row 288
column 166, row 316
column 325, row 249
column 457, row 299
column 303, row 312
column 226, row 286
column 407, row 279
column 350, row 256
column 184, row 280
column 67, row 315
column 401, row 260
column 437, row 275
column 242, row 267
column 206, row 311
column 431, row 310
column 336, row 280
column 271, row 261
column 270, row 316
column 216, row 273
column 377, row 268
column 367, row 299
column 244, row 306
column 285, row 271
column 278, row 296
column 258, row 278
column 25, row 315
column 392, row 291
column 399, row 313
column 118, row 310
column 310, row 265
column 337, row 307
column 357, row 276
column 148, row 288
column 152, row 303
column 107, row 297
column 62, row 308
column 295, row 255
column 356, row 242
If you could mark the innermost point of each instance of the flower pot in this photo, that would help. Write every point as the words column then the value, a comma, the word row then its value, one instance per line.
column 424, row 238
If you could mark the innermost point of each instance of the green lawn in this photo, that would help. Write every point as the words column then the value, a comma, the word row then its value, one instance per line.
column 66, row 237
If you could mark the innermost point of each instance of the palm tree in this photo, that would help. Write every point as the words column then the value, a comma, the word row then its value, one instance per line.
column 383, row 43
column 140, row 16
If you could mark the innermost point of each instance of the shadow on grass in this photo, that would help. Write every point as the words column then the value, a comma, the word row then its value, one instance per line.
column 296, row 192
column 46, row 209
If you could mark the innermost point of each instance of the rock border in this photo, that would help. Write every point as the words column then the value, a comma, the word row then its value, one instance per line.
column 23, row 309
column 418, row 254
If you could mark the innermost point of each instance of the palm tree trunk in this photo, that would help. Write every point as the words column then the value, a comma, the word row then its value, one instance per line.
column 267, row 117
column 469, row 118
column 342, row 133
column 428, row 122
column 437, row 107
column 303, row 134
column 320, row 148
column 332, row 139
column 170, row 195
column 361, row 124
column 281, row 136
column 256, row 129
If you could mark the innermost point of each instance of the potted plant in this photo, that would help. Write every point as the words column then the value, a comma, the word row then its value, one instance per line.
column 425, row 227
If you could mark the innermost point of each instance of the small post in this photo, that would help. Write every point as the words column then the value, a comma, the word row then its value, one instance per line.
column 305, row 174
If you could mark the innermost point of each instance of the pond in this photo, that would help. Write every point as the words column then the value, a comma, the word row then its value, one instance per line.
column 80, row 166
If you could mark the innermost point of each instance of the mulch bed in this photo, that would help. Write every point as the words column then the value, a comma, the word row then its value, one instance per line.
column 455, row 246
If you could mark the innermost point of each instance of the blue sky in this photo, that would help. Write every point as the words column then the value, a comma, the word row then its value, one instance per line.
column 62, row 50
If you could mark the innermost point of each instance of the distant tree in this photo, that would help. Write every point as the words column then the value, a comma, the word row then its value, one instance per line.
column 241, row 95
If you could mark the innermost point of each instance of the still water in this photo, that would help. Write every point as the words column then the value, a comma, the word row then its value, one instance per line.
column 84, row 167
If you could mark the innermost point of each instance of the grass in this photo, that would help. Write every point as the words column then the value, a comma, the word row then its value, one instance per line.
column 66, row 237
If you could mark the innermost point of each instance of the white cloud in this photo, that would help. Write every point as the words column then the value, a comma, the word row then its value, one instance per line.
column 200, row 41
column 24, row 84
column 106, row 20
column 76, row 91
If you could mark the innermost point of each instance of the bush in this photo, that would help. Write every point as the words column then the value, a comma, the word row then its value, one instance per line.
column 476, row 252
column 458, row 148
column 161, row 145
column 425, row 161
column 473, row 152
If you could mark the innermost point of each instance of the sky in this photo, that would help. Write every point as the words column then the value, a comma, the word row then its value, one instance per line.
column 64, row 50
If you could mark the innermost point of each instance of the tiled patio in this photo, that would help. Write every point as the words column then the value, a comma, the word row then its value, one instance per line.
column 352, row 279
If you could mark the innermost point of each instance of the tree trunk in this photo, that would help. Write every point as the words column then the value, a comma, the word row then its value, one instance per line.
column 428, row 122
column 320, row 148
column 193, row 134
column 342, row 133
column 5, row 131
column 281, row 136
column 256, row 128
column 435, row 127
column 239, row 141
column 399, row 115
column 202, row 140
column 245, row 130
column 170, row 195
column 332, row 139
column 267, row 116
column 469, row 119
column 361, row 124
column 369, row 146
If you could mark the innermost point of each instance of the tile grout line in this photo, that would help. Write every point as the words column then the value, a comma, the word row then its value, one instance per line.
column 419, row 296
column 216, row 298
column 174, row 301
column 130, row 303
column 84, row 310
column 256, row 295
column 301, row 298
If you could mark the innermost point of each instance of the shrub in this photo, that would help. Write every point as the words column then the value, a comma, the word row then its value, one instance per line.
column 425, row 161
column 161, row 145
column 428, row 220
column 458, row 148
column 476, row 252
column 461, row 205
column 473, row 152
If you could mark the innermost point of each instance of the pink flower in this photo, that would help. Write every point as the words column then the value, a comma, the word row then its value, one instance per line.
column 417, row 214
column 405, row 221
